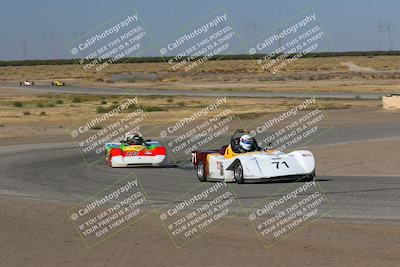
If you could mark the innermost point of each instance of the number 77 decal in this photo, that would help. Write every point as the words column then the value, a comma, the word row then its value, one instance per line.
column 278, row 163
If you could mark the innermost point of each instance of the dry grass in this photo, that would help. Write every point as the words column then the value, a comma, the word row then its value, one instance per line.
column 315, row 74
column 52, row 120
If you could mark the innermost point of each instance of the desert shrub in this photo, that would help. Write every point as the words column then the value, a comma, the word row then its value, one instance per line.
column 18, row 104
column 101, row 109
column 96, row 127
column 76, row 99
column 152, row 109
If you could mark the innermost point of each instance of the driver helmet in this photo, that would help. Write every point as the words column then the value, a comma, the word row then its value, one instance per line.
column 134, row 139
column 246, row 142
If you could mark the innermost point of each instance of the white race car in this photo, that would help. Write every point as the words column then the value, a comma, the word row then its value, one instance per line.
column 26, row 83
column 228, row 165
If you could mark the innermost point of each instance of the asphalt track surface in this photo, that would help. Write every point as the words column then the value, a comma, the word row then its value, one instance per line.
column 57, row 172
column 165, row 92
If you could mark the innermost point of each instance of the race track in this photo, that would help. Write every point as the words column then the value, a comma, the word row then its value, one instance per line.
column 58, row 172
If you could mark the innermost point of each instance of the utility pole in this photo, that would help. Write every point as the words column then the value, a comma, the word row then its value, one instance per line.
column 24, row 50
column 278, row 31
column 386, row 27
column 51, row 34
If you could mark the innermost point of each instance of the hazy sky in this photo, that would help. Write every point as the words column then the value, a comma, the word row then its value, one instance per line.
column 42, row 29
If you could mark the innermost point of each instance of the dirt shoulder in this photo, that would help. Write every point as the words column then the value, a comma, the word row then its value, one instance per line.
column 367, row 158
column 37, row 233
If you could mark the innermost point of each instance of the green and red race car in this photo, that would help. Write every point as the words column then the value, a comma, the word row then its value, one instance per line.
column 133, row 151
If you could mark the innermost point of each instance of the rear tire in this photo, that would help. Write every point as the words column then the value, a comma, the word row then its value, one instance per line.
column 201, row 171
column 238, row 173
column 108, row 160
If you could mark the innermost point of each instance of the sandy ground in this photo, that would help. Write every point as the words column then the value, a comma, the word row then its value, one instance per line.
column 40, row 234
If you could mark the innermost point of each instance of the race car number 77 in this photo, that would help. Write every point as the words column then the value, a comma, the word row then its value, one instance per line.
column 278, row 163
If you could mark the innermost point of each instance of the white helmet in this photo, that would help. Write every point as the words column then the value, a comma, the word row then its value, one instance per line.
column 246, row 142
column 135, row 138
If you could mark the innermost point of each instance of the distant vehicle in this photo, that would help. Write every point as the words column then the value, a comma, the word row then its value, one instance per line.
column 229, row 165
column 26, row 83
column 58, row 83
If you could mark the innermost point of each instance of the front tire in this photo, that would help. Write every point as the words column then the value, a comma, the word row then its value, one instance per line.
column 238, row 173
column 201, row 171
column 309, row 177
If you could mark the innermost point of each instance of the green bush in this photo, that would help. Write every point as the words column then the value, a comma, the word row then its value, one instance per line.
column 40, row 105
column 76, row 99
column 26, row 112
column 101, row 110
column 18, row 104
column 152, row 109
column 43, row 113
column 59, row 102
column 103, row 102
column 96, row 127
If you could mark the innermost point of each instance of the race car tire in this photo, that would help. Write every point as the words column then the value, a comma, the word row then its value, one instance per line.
column 20, row 84
column 108, row 160
column 238, row 173
column 309, row 177
column 201, row 171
